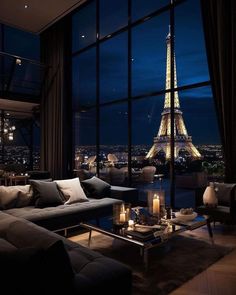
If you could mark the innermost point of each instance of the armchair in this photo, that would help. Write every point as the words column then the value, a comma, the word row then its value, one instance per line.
column 225, row 212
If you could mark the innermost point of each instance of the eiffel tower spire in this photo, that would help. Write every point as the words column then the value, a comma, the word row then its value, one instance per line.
column 182, row 140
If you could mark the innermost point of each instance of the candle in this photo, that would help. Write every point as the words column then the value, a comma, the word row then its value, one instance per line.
column 156, row 204
column 122, row 217
column 131, row 224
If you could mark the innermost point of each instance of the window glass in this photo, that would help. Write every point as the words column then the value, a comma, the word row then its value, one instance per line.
column 114, row 69
column 146, row 170
column 149, row 55
column 21, row 43
column 84, row 27
column 140, row 8
column 113, row 16
column 190, row 52
column 199, row 117
column 84, row 79
column 114, row 143
column 84, row 126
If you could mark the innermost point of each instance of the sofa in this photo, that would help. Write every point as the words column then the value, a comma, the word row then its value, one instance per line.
column 29, row 218
column 93, row 205
column 37, row 261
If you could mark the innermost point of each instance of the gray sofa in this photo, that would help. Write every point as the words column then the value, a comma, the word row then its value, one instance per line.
column 55, row 265
column 65, row 216
column 27, row 228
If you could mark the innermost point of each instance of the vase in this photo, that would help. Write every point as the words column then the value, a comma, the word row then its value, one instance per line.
column 209, row 196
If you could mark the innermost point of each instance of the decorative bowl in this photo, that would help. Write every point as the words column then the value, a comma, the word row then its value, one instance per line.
column 185, row 217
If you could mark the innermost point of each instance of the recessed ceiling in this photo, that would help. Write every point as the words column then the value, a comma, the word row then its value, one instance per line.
column 35, row 15
column 18, row 108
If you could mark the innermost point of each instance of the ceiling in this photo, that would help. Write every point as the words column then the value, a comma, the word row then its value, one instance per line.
column 18, row 109
column 39, row 15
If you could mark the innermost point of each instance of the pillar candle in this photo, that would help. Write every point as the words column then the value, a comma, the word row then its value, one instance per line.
column 122, row 217
column 156, row 204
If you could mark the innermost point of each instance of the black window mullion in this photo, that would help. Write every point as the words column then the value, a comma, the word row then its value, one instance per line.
column 97, row 87
column 172, row 111
column 129, row 95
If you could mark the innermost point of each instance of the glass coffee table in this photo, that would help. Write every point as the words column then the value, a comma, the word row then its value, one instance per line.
column 148, row 237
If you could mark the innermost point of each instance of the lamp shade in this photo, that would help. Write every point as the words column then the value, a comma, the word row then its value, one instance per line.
column 209, row 196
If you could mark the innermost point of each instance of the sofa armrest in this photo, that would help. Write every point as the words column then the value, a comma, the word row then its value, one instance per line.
column 126, row 194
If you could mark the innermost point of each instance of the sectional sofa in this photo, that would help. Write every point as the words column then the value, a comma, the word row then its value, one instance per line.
column 28, row 222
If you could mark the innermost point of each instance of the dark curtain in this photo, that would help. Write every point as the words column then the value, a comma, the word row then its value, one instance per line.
column 56, row 100
column 220, row 34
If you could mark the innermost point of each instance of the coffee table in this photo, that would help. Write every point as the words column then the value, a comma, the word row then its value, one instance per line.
column 161, row 233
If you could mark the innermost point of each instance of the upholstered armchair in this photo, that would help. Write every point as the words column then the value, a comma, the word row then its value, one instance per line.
column 147, row 174
column 225, row 212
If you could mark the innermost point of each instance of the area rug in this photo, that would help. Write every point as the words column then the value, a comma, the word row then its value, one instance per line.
column 170, row 266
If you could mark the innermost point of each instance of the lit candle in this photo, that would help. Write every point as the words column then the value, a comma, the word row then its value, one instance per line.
column 122, row 217
column 156, row 204
column 131, row 224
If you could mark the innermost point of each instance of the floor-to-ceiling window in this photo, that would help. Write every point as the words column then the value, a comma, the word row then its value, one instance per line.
column 137, row 87
column 21, row 77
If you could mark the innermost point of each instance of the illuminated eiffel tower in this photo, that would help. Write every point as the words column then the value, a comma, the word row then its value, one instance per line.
column 182, row 140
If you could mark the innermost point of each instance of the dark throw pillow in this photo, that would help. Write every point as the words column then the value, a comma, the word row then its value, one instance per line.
column 96, row 188
column 46, row 194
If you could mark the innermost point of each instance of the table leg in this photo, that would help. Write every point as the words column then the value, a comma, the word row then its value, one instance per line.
column 145, row 259
column 141, row 252
column 210, row 231
column 89, row 239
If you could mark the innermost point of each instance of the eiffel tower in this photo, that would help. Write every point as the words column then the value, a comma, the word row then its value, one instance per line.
column 182, row 140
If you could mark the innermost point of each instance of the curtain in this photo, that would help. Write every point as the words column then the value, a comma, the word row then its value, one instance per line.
column 55, row 104
column 220, row 35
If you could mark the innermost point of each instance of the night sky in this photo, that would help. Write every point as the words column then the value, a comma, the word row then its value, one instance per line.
column 148, row 75
column 148, row 71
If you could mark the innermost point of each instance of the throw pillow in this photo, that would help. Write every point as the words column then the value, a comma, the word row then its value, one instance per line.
column 25, row 195
column 72, row 190
column 8, row 196
column 223, row 192
column 46, row 194
column 96, row 188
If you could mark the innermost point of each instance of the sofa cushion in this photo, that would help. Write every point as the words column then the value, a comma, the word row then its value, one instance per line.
column 62, row 216
column 72, row 190
column 45, row 269
column 46, row 194
column 18, row 266
column 6, row 247
column 15, row 196
column 96, row 187
column 22, row 234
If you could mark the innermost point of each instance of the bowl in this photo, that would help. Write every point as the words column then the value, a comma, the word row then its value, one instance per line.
column 185, row 217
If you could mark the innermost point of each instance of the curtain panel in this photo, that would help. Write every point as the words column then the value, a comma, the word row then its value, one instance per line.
column 220, row 35
column 56, row 100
